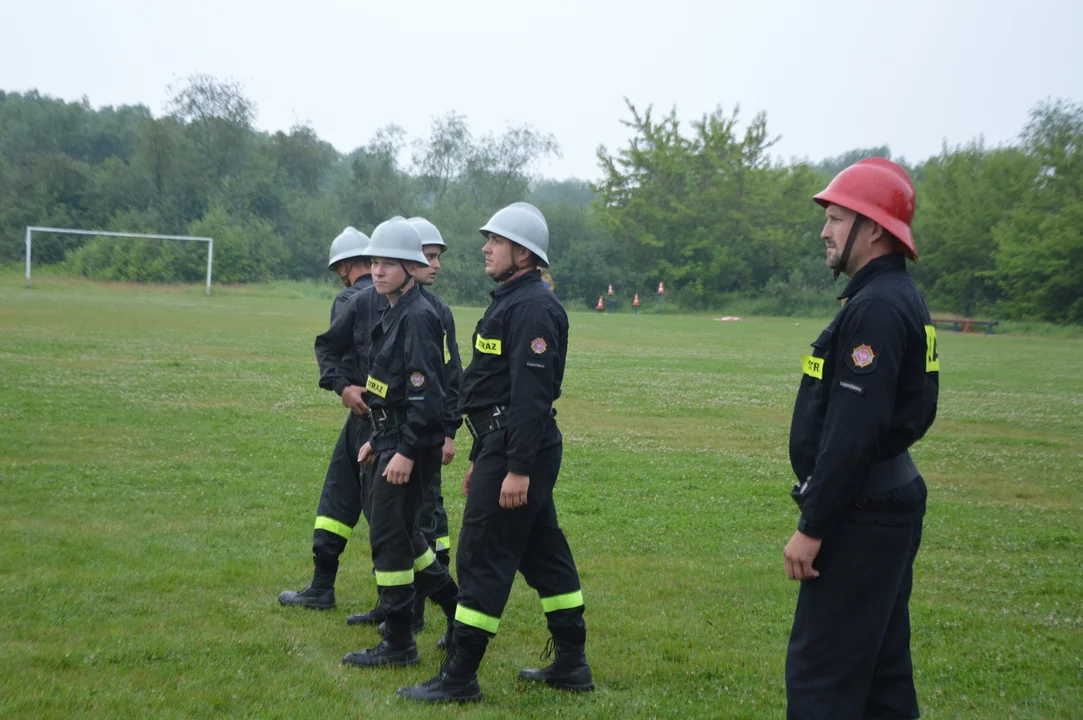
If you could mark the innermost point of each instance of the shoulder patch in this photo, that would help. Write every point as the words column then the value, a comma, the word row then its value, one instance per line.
column 863, row 357
column 538, row 346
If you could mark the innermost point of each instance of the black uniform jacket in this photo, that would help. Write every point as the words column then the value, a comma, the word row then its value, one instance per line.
column 869, row 390
column 406, row 371
column 333, row 361
column 520, row 345
column 343, row 351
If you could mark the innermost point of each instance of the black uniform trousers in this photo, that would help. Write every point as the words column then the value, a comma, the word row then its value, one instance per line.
column 405, row 565
column 343, row 495
column 494, row 543
column 433, row 524
column 849, row 652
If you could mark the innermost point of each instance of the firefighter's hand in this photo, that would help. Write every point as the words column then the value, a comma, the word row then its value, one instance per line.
column 466, row 478
column 513, row 491
column 365, row 456
column 449, row 451
column 353, row 399
column 800, row 551
column 398, row 470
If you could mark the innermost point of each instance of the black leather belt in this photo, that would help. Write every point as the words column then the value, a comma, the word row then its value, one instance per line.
column 883, row 478
column 482, row 423
column 387, row 418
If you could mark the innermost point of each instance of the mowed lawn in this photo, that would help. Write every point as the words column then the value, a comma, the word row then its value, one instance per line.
column 161, row 454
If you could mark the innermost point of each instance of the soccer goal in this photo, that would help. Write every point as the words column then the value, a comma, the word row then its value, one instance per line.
column 31, row 229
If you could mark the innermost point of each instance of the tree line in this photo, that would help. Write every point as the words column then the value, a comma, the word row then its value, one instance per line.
column 704, row 206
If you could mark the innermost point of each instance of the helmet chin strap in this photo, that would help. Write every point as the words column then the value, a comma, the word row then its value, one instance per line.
column 512, row 268
column 840, row 266
column 506, row 275
column 407, row 277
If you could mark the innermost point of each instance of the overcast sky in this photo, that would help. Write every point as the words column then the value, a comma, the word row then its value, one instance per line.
column 831, row 75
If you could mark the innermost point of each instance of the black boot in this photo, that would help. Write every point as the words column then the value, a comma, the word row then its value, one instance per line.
column 397, row 649
column 569, row 669
column 447, row 599
column 445, row 640
column 375, row 616
column 320, row 593
column 417, row 621
column 457, row 680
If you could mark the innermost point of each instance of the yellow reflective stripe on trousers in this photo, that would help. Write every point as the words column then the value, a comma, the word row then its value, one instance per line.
column 562, row 602
column 812, row 366
column 443, row 543
column 423, row 561
column 330, row 525
column 473, row 618
column 932, row 355
column 394, row 577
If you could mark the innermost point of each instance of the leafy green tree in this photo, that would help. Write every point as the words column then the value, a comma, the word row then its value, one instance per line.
column 1039, row 262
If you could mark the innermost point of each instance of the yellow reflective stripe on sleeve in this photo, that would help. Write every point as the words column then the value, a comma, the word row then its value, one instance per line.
column 424, row 560
column 473, row 618
column 562, row 602
column 394, row 577
column 813, row 366
column 375, row 386
column 331, row 525
column 447, row 353
column 487, row 346
column 443, row 543
column 932, row 355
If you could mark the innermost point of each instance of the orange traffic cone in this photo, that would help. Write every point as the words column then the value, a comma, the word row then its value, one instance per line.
column 601, row 305
column 635, row 300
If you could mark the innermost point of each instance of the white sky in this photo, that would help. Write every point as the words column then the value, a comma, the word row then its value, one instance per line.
column 831, row 75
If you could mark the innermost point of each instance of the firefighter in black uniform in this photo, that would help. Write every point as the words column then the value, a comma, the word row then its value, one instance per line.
column 405, row 399
column 436, row 531
column 868, row 393
column 343, row 353
column 433, row 523
column 510, row 521
column 339, row 505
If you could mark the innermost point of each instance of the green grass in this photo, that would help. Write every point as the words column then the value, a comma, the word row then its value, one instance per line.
column 161, row 455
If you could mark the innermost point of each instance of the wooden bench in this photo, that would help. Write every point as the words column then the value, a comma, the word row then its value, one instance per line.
column 966, row 324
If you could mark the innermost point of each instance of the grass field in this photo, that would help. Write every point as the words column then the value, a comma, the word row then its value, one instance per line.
column 161, row 454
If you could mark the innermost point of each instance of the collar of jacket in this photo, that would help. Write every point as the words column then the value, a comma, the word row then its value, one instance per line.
column 877, row 266
column 507, row 287
column 392, row 313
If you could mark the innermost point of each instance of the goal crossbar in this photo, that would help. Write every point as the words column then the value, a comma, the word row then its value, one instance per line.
column 31, row 229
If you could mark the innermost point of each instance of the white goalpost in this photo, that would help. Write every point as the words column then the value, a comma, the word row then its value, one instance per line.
column 31, row 229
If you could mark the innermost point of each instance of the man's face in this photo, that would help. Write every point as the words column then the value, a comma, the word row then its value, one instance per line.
column 342, row 267
column 498, row 256
column 427, row 275
column 387, row 275
column 835, row 233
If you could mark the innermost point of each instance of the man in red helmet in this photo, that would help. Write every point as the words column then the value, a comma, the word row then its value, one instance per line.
column 869, row 392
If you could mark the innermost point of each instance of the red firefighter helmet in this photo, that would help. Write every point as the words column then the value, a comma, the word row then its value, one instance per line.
column 881, row 191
